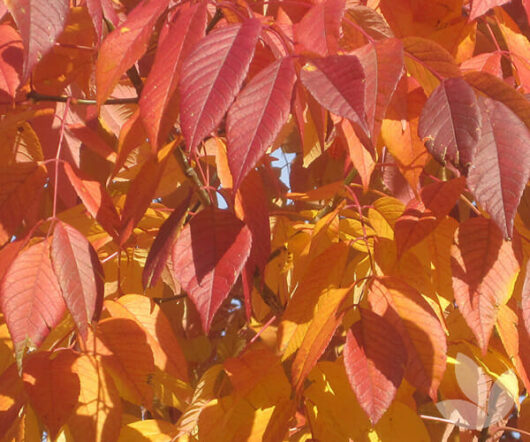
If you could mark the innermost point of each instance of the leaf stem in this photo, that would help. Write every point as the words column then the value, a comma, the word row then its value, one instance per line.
column 36, row 96
column 57, row 155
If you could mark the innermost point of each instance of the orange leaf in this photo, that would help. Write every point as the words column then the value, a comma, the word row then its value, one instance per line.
column 97, row 416
column 12, row 397
column 95, row 198
column 19, row 187
column 400, row 132
column 166, row 349
column 326, row 318
column 123, row 347
column 52, row 386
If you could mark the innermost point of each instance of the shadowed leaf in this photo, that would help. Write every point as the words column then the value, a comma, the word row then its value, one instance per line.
column 450, row 123
column 52, row 386
column 208, row 256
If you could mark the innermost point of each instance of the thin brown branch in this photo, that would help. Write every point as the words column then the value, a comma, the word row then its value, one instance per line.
column 36, row 96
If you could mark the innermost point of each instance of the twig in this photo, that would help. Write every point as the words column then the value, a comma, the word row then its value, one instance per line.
column 36, row 96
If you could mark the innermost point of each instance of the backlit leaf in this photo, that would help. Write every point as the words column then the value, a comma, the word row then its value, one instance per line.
column 383, row 66
column 11, row 60
column 480, row 7
column 450, row 123
column 375, row 360
column 97, row 415
column 318, row 31
column 257, row 115
column 162, row 245
column 484, row 271
column 212, row 76
column 420, row 330
column 96, row 200
column 39, row 24
column 79, row 274
column 31, row 297
column 166, row 349
column 12, row 398
column 501, row 164
column 122, row 345
column 426, row 61
column 158, row 103
column 208, row 257
column 52, row 386
column 19, row 186
column 125, row 45
column 338, row 83
column 422, row 215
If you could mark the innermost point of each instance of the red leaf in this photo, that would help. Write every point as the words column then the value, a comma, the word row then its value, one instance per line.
column 420, row 330
column 99, row 8
column 39, row 23
column 79, row 274
column 318, row 31
column 257, row 116
column 11, row 61
column 125, row 45
column 31, row 297
column 375, row 359
column 212, row 76
column 162, row 245
column 450, row 123
column 382, row 62
column 208, row 257
column 480, row 7
column 337, row 83
column 53, row 388
column 96, row 200
column 484, row 270
column 20, row 184
column 252, row 208
column 422, row 216
column 501, row 164
column 140, row 195
column 158, row 103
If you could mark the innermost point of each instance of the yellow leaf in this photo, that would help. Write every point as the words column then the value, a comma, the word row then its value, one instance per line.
column 97, row 416
column 152, row 430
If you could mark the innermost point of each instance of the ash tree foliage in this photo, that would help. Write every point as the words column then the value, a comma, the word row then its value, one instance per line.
column 264, row 220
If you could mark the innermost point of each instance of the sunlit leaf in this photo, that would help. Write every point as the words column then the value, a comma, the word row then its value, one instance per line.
column 375, row 359
column 484, row 270
column 79, row 274
column 52, row 386
column 268, row 96
column 31, row 297
column 500, row 167
column 212, row 76
column 125, row 45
